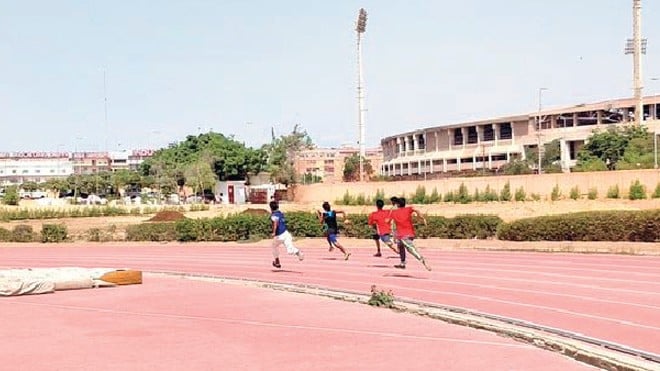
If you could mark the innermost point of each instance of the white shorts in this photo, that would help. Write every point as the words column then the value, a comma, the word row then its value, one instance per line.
column 285, row 239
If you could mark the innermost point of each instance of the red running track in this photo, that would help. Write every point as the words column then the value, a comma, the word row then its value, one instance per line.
column 610, row 297
column 172, row 323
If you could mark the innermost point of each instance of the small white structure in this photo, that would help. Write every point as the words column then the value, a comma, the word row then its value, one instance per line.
column 231, row 192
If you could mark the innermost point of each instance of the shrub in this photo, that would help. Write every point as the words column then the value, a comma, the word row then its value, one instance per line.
column 593, row 193
column 477, row 196
column 436, row 227
column 613, row 192
column 472, row 226
column 300, row 224
column 347, row 199
column 53, row 233
column 303, row 224
column 361, row 200
column 419, row 197
column 536, row 197
column 435, row 197
column 463, row 196
column 11, row 196
column 151, row 232
column 656, row 193
column 22, row 233
column 380, row 195
column 5, row 235
column 505, row 194
column 637, row 191
column 490, row 195
column 449, row 197
column 355, row 225
column 556, row 193
column 520, row 194
column 575, row 193
column 586, row 226
column 98, row 235
column 381, row 298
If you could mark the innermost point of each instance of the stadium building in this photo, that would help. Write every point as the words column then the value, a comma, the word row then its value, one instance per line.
column 489, row 144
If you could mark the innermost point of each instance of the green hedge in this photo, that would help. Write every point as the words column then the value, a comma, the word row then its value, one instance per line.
column 301, row 224
column 23, row 233
column 9, row 214
column 586, row 226
column 53, row 233
column 151, row 232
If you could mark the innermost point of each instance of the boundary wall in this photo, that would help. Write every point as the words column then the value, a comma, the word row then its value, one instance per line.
column 533, row 183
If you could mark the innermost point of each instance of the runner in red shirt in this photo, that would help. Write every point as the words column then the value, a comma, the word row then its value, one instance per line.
column 405, row 231
column 378, row 220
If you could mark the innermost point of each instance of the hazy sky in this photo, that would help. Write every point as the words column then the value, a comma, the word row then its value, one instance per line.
column 242, row 66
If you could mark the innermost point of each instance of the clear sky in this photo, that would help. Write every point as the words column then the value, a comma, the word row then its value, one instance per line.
column 243, row 66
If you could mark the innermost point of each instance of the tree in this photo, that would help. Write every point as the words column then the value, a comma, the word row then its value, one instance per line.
column 122, row 178
column 11, row 196
column 57, row 184
column 610, row 147
column 517, row 167
column 352, row 168
column 200, row 175
column 30, row 186
column 638, row 154
column 309, row 178
column 228, row 158
column 281, row 154
column 549, row 161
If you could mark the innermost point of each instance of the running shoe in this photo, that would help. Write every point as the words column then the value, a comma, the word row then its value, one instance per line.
column 347, row 255
column 301, row 256
column 400, row 266
column 378, row 255
column 428, row 267
column 276, row 263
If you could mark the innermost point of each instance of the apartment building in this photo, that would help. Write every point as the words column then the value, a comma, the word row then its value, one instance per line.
column 328, row 163
column 39, row 167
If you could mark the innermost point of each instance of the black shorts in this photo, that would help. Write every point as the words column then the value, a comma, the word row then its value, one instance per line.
column 375, row 236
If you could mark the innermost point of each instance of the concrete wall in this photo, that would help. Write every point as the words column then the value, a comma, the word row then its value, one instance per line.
column 540, row 184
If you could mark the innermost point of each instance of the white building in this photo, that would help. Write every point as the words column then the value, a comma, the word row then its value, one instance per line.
column 21, row 167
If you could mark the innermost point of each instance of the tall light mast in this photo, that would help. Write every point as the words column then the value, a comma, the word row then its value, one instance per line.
column 637, row 46
column 360, row 29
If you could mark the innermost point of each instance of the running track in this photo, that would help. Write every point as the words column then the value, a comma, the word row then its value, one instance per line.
column 610, row 297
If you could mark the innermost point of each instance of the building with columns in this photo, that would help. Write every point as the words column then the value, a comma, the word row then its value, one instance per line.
column 489, row 144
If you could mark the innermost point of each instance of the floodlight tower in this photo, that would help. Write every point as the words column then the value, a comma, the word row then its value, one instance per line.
column 637, row 46
column 360, row 28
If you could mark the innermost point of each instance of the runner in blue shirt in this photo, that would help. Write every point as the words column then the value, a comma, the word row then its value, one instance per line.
column 281, row 235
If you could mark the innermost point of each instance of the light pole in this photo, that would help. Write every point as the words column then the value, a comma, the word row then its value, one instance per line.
column 655, row 135
column 538, row 126
column 637, row 46
column 360, row 29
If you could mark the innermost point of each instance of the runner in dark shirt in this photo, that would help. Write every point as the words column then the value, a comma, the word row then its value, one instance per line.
column 328, row 219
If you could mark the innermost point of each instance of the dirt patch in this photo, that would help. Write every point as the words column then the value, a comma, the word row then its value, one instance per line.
column 167, row 216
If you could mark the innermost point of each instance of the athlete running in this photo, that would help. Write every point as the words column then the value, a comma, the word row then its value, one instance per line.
column 405, row 232
column 281, row 235
column 378, row 220
column 328, row 219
